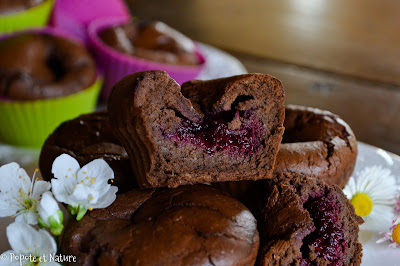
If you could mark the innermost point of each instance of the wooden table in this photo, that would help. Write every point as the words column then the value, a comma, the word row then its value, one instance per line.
column 343, row 56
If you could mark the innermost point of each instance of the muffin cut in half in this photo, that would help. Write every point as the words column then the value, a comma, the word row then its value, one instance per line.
column 227, row 129
column 304, row 221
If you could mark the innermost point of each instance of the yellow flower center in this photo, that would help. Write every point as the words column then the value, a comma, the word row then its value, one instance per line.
column 396, row 234
column 362, row 203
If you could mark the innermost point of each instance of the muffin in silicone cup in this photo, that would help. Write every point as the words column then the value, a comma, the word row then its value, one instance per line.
column 45, row 79
column 116, row 64
column 74, row 16
column 24, row 14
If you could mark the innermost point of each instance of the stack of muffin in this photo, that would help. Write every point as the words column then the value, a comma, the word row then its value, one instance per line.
column 52, row 74
column 204, row 171
column 204, row 179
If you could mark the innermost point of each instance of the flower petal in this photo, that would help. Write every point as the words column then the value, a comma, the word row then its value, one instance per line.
column 350, row 189
column 65, row 165
column 39, row 188
column 82, row 194
column 98, row 171
column 6, row 258
column 8, row 173
column 8, row 206
column 107, row 199
column 379, row 219
column 46, row 243
column 13, row 178
column 24, row 239
column 28, row 217
column 60, row 191
column 377, row 182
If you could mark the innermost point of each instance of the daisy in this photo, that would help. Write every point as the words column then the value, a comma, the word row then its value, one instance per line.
column 29, row 247
column 19, row 194
column 83, row 188
column 372, row 195
column 393, row 235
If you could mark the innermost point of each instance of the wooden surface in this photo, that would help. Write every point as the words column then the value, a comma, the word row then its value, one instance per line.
column 343, row 56
column 371, row 110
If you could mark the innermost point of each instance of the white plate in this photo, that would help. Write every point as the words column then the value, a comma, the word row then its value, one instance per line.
column 374, row 254
column 219, row 64
column 377, row 254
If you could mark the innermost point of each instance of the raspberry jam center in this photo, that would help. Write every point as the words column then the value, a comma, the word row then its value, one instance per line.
column 327, row 240
column 234, row 132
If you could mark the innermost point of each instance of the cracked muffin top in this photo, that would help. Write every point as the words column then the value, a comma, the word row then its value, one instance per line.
column 151, row 40
column 42, row 65
column 95, row 141
column 317, row 143
column 188, row 225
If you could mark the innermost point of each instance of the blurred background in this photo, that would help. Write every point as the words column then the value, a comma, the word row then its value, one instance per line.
column 342, row 56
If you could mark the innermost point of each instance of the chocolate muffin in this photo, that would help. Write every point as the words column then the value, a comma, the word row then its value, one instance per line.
column 39, row 65
column 207, row 131
column 12, row 6
column 151, row 40
column 189, row 225
column 317, row 143
column 86, row 138
column 304, row 221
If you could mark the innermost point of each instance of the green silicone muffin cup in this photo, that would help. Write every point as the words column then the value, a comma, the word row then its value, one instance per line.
column 29, row 123
column 34, row 17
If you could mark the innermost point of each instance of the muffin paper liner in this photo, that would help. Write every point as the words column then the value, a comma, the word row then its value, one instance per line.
column 28, row 123
column 116, row 65
column 34, row 17
column 74, row 16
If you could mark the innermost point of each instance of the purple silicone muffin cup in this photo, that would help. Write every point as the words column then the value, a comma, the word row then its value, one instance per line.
column 116, row 65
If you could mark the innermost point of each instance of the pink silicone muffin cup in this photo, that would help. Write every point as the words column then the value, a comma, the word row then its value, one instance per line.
column 116, row 65
column 74, row 16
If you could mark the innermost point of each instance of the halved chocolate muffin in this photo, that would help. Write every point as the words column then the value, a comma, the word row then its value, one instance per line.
column 86, row 138
column 189, row 225
column 205, row 131
column 304, row 221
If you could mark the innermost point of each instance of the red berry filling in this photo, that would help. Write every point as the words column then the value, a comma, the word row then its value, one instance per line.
column 327, row 240
column 217, row 133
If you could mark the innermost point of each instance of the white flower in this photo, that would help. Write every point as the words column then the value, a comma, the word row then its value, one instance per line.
column 82, row 188
column 373, row 195
column 34, row 246
column 50, row 214
column 18, row 194
column 393, row 235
